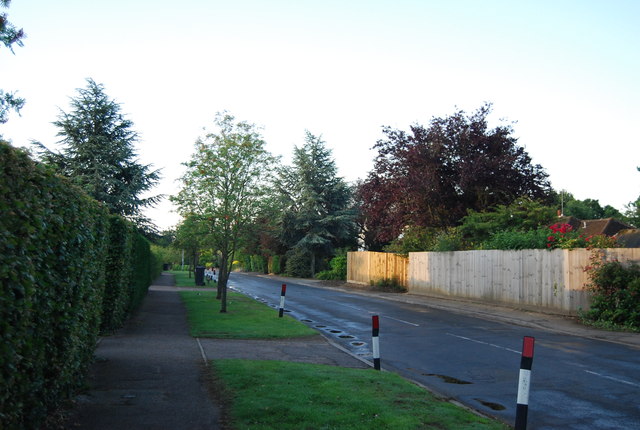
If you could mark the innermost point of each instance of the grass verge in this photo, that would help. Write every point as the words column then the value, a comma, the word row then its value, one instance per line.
column 281, row 395
column 183, row 280
column 245, row 318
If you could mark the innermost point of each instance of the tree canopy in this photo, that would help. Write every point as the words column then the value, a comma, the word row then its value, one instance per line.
column 98, row 153
column 431, row 176
column 317, row 207
column 9, row 36
column 224, row 186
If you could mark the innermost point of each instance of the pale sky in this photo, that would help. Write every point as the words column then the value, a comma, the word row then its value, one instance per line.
column 568, row 72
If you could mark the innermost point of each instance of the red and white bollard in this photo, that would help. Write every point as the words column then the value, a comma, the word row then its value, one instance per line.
column 282, row 293
column 524, row 383
column 375, row 341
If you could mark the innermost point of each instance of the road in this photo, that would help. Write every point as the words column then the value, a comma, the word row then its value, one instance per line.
column 576, row 383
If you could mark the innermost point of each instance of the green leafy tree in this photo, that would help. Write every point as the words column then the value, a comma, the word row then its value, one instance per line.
column 98, row 154
column 318, row 214
column 224, row 187
column 190, row 236
column 9, row 36
column 589, row 209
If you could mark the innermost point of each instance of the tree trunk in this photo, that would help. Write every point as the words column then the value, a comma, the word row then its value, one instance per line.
column 313, row 264
column 222, row 280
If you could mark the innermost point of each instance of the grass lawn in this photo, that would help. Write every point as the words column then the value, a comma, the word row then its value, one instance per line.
column 286, row 395
column 245, row 318
column 265, row 394
column 183, row 280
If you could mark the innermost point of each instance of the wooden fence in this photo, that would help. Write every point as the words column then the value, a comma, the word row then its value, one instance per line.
column 367, row 267
column 538, row 278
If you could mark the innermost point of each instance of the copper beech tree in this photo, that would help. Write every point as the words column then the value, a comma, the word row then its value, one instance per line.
column 431, row 176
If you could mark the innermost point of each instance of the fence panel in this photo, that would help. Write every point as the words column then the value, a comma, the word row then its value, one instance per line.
column 539, row 278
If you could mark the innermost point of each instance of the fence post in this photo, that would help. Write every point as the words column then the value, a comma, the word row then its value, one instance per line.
column 375, row 341
column 282, row 293
column 524, row 383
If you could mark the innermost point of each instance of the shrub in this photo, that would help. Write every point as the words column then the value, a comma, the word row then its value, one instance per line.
column 298, row 263
column 616, row 293
column 392, row 285
column 258, row 264
column 274, row 264
column 514, row 240
column 338, row 269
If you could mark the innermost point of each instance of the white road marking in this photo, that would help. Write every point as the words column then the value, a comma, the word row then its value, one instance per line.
column 622, row 381
column 382, row 316
column 484, row 343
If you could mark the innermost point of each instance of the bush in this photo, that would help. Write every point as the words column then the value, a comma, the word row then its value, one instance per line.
column 275, row 264
column 392, row 285
column 338, row 269
column 515, row 240
column 258, row 264
column 616, row 294
column 298, row 263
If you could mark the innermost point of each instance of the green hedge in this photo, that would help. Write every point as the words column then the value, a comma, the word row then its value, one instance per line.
column 53, row 245
column 54, row 251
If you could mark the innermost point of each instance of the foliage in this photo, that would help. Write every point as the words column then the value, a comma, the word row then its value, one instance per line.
column 98, row 154
column 563, row 236
column 517, row 239
column 413, row 239
column 449, row 239
column 298, row 263
column 431, row 177
column 167, row 254
column 118, row 274
column 338, row 271
column 275, row 264
column 9, row 35
column 54, row 249
column 318, row 216
column 585, row 209
column 223, row 188
column 258, row 264
column 330, row 397
column 391, row 285
column 616, row 293
column 521, row 215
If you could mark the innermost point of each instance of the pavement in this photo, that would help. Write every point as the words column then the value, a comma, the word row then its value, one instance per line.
column 152, row 374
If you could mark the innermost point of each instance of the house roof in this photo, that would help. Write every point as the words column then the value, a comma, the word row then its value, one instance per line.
column 592, row 227
column 630, row 238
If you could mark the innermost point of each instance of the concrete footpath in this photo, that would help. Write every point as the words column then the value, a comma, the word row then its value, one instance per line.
column 149, row 375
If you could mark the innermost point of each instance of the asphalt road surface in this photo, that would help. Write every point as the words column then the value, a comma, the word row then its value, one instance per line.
column 576, row 383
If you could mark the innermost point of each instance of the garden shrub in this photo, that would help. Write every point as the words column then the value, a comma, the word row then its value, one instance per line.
column 298, row 263
column 516, row 240
column 616, row 294
column 258, row 264
column 338, row 269
column 275, row 264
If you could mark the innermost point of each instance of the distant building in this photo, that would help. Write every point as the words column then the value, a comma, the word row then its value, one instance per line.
column 627, row 236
